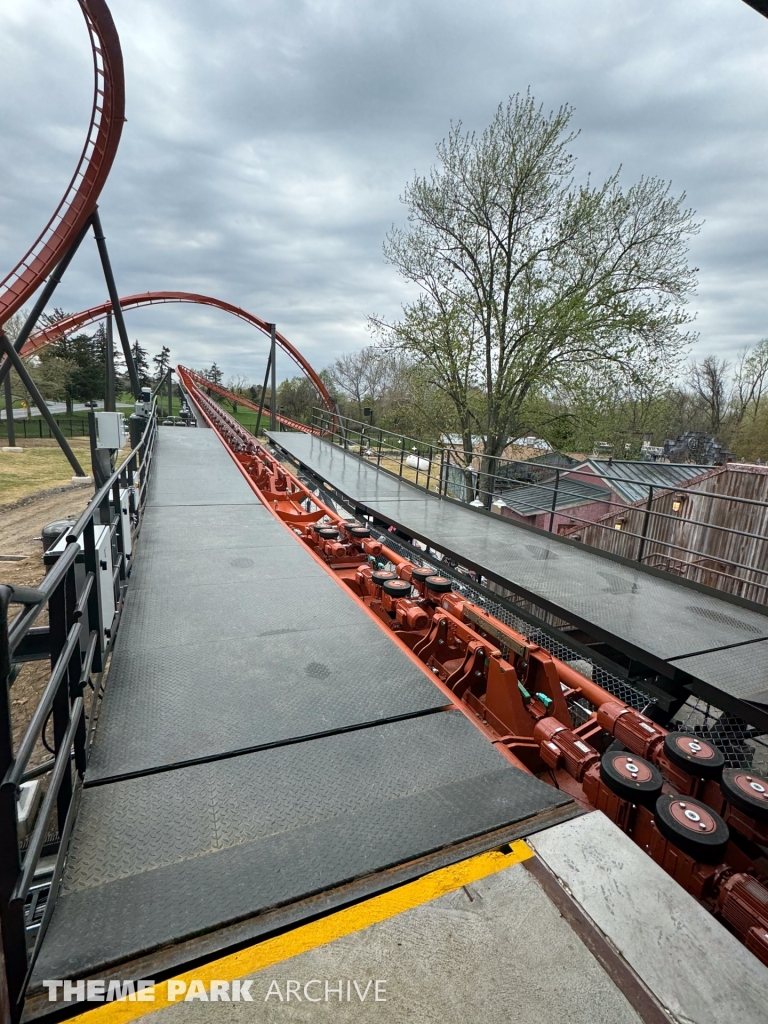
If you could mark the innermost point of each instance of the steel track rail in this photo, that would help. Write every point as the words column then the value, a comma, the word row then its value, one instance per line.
column 89, row 316
column 93, row 167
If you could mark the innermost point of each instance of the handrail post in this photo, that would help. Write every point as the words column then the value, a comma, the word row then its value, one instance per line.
column 646, row 521
column 91, row 566
column 554, row 500
column 119, row 536
column 13, row 956
column 402, row 455
column 58, row 618
column 74, row 672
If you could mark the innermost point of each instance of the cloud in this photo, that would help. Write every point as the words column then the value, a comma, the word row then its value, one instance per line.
column 267, row 144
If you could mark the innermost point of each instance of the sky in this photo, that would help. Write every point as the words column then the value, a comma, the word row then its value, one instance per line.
column 268, row 142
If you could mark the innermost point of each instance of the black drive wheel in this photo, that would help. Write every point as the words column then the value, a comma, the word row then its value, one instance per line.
column 630, row 777
column 358, row 531
column 419, row 573
column 746, row 792
column 396, row 588
column 381, row 576
column 438, row 584
column 327, row 532
column 692, row 827
column 694, row 754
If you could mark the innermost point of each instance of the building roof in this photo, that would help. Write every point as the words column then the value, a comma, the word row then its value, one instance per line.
column 630, row 480
column 530, row 499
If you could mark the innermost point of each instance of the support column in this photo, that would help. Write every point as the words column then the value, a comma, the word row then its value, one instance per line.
column 114, row 298
column 109, row 394
column 273, row 399
column 263, row 393
column 45, row 412
column 170, row 391
column 9, row 412
column 43, row 298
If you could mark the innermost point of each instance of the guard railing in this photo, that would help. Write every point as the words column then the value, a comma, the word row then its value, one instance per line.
column 724, row 545
column 82, row 587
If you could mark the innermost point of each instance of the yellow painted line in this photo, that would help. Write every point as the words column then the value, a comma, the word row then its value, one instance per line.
column 317, row 933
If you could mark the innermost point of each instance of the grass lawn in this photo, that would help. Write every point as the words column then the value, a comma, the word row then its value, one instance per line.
column 42, row 465
column 39, row 466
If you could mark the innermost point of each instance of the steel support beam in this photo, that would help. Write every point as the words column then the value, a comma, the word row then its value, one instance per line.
column 9, row 411
column 45, row 412
column 114, row 298
column 761, row 6
column 109, row 394
column 273, row 399
column 42, row 301
column 263, row 392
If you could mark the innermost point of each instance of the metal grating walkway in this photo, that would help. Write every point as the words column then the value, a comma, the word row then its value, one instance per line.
column 261, row 739
column 665, row 624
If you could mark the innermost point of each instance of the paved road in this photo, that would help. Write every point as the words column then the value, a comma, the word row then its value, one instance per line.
column 57, row 408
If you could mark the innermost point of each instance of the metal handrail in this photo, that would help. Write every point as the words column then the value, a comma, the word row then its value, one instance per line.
column 76, row 654
column 18, row 629
column 452, row 450
column 449, row 454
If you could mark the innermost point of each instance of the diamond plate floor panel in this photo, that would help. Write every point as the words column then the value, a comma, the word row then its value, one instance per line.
column 160, row 858
column 741, row 672
column 189, row 701
column 261, row 739
column 189, row 470
column 645, row 615
column 234, row 638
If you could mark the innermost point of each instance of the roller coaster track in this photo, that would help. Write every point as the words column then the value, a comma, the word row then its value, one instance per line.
column 202, row 382
column 89, row 316
column 665, row 790
column 523, row 698
column 93, row 167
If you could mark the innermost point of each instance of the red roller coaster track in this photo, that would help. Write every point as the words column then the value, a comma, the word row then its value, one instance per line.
column 90, row 316
column 520, row 697
column 202, row 382
column 79, row 200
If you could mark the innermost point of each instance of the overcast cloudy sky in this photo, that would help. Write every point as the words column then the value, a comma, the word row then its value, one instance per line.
column 268, row 141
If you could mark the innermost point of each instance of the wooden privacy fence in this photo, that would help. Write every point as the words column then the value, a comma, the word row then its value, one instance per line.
column 695, row 531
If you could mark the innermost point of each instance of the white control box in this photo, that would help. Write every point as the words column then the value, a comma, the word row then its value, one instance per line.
column 104, row 582
column 109, row 430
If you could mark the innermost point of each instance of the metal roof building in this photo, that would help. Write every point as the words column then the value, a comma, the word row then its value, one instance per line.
column 531, row 499
column 630, row 480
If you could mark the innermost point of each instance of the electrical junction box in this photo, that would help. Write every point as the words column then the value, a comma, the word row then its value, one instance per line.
column 109, row 430
column 105, row 583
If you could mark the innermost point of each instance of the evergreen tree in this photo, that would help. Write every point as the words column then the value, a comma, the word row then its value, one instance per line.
column 162, row 362
column 141, row 362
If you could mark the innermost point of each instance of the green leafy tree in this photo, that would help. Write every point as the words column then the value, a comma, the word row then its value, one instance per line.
column 296, row 398
column 526, row 278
